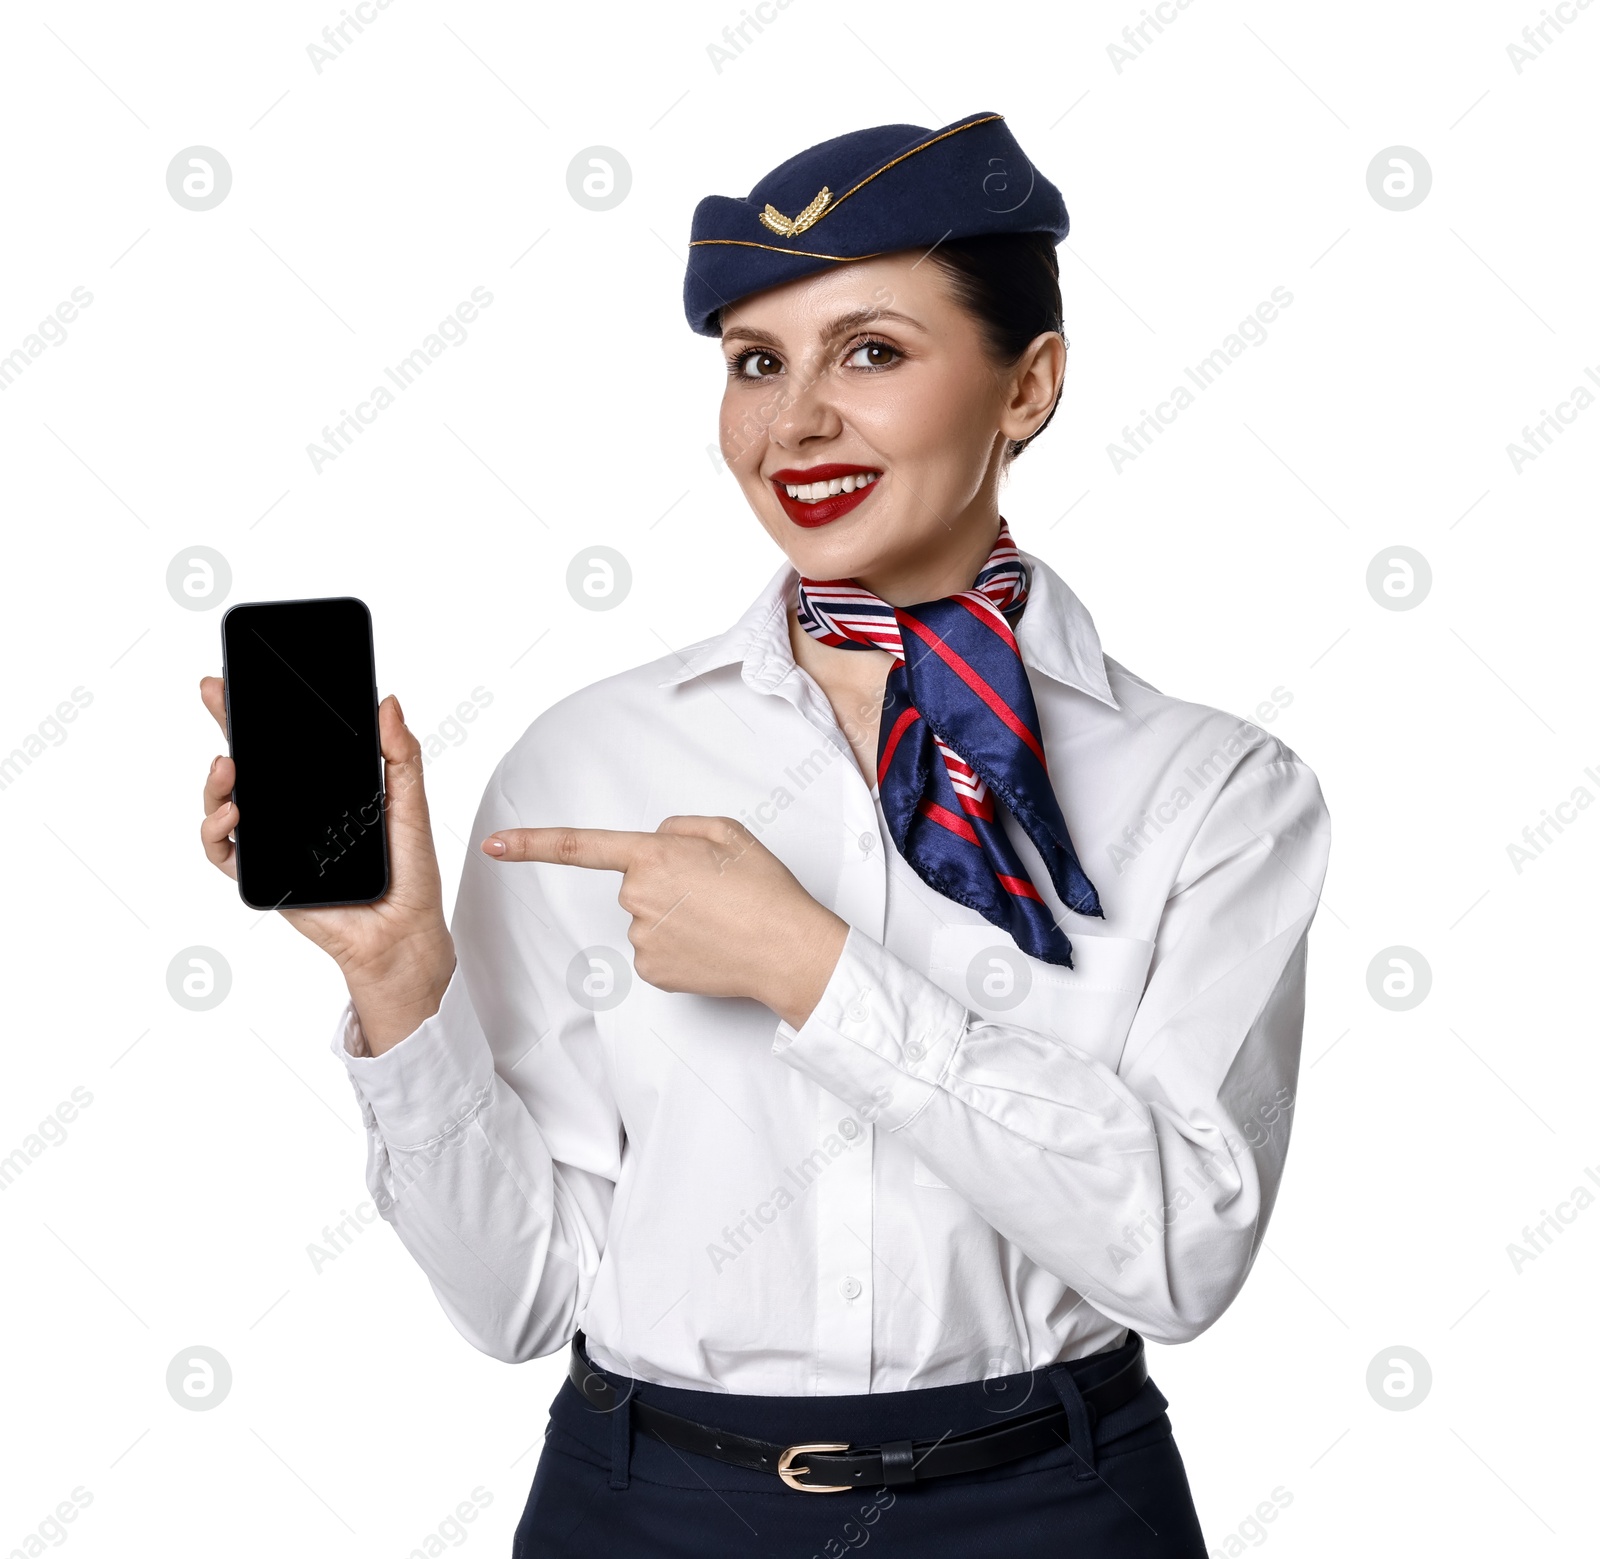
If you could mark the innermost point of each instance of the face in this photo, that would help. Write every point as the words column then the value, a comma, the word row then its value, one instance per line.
column 866, row 422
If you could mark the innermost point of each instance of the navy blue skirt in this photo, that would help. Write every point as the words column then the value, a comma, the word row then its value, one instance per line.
column 603, row 1487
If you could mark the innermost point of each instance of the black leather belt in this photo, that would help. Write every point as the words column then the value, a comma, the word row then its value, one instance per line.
column 843, row 1467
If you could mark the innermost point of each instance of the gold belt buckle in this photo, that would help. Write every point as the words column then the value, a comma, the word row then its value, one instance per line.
column 787, row 1469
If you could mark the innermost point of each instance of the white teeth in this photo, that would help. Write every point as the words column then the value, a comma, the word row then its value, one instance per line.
column 812, row 492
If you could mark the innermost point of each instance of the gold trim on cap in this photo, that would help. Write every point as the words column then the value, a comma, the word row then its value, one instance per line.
column 933, row 140
column 808, row 254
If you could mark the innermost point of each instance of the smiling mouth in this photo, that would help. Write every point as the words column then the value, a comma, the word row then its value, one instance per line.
column 820, row 494
column 815, row 492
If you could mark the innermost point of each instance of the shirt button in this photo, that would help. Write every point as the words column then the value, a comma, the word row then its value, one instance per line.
column 914, row 1051
column 848, row 1129
column 856, row 1012
column 851, row 1288
column 869, row 843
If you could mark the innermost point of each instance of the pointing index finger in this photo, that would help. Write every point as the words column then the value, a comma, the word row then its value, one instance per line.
column 601, row 849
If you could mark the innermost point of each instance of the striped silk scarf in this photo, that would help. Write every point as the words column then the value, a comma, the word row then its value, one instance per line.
column 959, row 728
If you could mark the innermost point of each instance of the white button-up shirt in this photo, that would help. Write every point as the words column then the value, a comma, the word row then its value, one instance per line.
column 966, row 1161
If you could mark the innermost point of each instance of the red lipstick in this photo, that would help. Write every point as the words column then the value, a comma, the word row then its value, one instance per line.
column 824, row 510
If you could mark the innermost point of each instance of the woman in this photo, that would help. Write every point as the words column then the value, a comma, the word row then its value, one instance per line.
column 959, row 1038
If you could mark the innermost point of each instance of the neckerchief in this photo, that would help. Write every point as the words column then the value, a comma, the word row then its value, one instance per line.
column 958, row 729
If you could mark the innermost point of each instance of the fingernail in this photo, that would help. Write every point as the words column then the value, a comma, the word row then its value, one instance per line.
column 215, row 761
column 495, row 846
column 397, row 709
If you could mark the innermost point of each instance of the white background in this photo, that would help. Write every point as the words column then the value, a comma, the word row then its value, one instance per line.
column 1226, row 158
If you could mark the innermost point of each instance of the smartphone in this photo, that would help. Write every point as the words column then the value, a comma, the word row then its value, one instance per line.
column 302, row 710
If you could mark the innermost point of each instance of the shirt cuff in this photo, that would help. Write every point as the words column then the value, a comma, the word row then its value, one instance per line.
column 428, row 1085
column 882, row 1036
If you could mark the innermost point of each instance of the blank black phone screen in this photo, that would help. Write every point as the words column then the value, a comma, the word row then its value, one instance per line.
column 302, row 709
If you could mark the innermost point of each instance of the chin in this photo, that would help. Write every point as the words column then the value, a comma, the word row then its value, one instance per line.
column 870, row 539
column 838, row 551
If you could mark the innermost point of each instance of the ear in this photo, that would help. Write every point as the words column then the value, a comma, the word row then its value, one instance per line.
column 1033, row 385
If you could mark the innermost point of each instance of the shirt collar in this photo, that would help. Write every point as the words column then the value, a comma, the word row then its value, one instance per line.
column 1056, row 636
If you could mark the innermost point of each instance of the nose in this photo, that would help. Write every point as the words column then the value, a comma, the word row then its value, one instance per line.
column 808, row 413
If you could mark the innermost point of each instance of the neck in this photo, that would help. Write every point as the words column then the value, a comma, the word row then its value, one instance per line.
column 938, row 567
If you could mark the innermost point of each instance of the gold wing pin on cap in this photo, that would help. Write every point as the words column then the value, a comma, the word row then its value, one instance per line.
column 788, row 227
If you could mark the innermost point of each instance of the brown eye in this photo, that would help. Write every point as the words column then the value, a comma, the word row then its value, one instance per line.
column 872, row 354
column 759, row 365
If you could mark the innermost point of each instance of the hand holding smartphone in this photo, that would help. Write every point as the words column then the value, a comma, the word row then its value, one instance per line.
column 318, row 809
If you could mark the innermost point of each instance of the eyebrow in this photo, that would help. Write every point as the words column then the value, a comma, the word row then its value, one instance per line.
column 842, row 326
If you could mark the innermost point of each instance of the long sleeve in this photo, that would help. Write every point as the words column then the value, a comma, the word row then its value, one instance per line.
column 493, row 1142
column 1146, row 1187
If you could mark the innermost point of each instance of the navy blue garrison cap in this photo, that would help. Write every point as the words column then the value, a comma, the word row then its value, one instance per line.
column 867, row 193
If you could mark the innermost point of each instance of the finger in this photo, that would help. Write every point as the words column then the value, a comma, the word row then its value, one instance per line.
column 219, row 783
column 211, row 697
column 219, row 847
column 405, row 797
column 601, row 849
column 394, row 735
